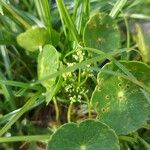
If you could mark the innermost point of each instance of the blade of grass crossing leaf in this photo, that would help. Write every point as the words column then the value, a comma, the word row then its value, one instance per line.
column 120, row 75
column 69, row 69
column 125, row 70
column 25, row 108
column 117, row 7
column 79, row 65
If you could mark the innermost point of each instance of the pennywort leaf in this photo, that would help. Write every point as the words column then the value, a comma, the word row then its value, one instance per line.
column 33, row 38
column 88, row 135
column 48, row 63
column 121, row 104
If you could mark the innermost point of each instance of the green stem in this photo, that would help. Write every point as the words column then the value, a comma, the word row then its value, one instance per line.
column 30, row 138
column 89, row 105
column 69, row 112
column 56, row 109
column 128, row 31
column 79, row 77
column 128, row 139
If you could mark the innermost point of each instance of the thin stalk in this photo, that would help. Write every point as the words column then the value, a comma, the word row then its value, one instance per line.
column 128, row 31
column 29, row 138
column 89, row 106
column 69, row 112
column 128, row 139
column 79, row 77
column 56, row 109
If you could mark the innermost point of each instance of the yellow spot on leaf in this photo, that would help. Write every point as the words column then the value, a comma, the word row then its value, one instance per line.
column 82, row 147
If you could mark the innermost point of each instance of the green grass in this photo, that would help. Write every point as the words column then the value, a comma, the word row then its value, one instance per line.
column 33, row 108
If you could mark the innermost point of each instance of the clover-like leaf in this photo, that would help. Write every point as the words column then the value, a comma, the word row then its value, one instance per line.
column 101, row 32
column 33, row 38
column 48, row 63
column 88, row 135
column 122, row 104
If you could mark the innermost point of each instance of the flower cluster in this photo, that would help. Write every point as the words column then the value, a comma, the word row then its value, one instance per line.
column 72, row 88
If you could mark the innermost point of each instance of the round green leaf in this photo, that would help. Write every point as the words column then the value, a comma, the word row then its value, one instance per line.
column 33, row 38
column 101, row 32
column 48, row 63
column 122, row 104
column 88, row 135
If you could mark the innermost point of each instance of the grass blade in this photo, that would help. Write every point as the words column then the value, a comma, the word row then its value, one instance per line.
column 25, row 108
column 29, row 138
column 117, row 7
column 66, row 19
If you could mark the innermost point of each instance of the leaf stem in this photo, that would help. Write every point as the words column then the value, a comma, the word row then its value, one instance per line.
column 30, row 138
column 69, row 112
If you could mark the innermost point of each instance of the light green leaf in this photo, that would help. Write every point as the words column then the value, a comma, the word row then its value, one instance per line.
column 142, row 41
column 48, row 63
column 121, row 104
column 101, row 32
column 88, row 135
column 33, row 38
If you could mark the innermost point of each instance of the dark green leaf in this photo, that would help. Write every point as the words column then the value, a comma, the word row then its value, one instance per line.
column 121, row 104
column 48, row 63
column 101, row 32
column 88, row 135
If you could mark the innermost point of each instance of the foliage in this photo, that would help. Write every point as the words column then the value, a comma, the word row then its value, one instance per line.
column 74, row 75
